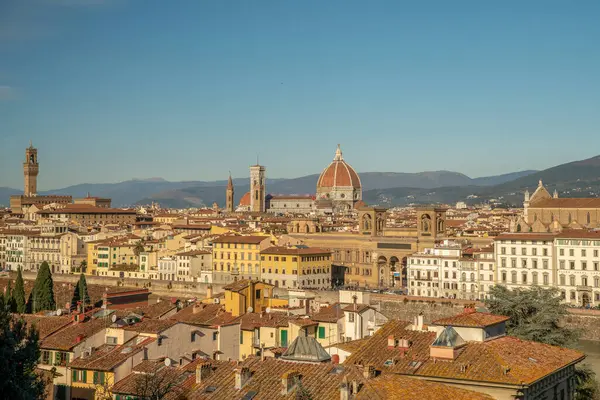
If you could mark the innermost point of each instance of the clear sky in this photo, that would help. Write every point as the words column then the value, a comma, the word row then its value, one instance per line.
column 187, row 90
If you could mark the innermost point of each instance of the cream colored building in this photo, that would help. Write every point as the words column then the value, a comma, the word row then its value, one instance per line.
column 525, row 259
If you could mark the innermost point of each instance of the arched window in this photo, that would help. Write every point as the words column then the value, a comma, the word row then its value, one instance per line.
column 518, row 227
column 463, row 277
column 572, row 280
column 472, row 277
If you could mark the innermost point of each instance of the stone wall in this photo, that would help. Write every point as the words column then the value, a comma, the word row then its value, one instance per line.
column 161, row 288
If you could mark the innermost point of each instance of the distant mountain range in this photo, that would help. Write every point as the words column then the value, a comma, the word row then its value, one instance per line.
column 199, row 193
column 576, row 179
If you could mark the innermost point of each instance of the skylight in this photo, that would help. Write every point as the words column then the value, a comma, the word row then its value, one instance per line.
column 250, row 395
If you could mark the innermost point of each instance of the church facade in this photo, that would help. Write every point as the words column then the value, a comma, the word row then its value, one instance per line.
column 543, row 212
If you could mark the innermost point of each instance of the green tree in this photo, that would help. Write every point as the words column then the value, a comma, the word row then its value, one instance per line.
column 535, row 314
column 139, row 248
column 20, row 353
column 80, row 293
column 83, row 266
column 9, row 300
column 19, row 293
column 43, row 290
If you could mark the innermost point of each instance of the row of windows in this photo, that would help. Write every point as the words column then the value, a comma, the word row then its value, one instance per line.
column 573, row 280
column 227, row 256
column 524, row 263
column 524, row 278
column 534, row 251
column 235, row 246
column 583, row 265
column 584, row 252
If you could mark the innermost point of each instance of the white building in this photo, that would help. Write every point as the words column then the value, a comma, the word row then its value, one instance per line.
column 167, row 268
column 578, row 267
column 435, row 272
column 525, row 259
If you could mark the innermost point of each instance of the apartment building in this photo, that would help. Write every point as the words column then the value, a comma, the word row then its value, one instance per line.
column 525, row 259
column 296, row 267
column 190, row 264
column 486, row 266
column 237, row 257
column 435, row 272
column 578, row 267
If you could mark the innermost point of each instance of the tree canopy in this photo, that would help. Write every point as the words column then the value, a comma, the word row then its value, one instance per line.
column 535, row 314
column 20, row 353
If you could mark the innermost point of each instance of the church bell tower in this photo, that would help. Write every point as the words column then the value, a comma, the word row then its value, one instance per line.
column 30, row 170
column 229, row 196
column 257, row 188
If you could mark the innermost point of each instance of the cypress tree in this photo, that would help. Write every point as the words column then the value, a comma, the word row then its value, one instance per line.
column 84, row 296
column 43, row 290
column 19, row 294
column 75, row 297
column 8, row 298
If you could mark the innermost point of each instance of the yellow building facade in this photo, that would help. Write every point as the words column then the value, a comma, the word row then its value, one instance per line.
column 292, row 267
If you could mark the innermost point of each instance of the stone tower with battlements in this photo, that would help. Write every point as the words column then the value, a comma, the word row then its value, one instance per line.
column 30, row 170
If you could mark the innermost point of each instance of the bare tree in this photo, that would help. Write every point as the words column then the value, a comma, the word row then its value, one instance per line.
column 158, row 385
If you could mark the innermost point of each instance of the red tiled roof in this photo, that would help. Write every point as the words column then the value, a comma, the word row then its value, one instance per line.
column 504, row 360
column 295, row 251
column 240, row 239
column 472, row 319
column 593, row 202
column 245, row 200
column 339, row 173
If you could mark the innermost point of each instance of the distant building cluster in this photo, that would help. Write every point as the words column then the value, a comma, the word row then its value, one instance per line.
column 260, row 329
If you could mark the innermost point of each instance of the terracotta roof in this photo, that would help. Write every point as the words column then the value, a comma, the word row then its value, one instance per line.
column 67, row 338
column 332, row 313
column 194, row 253
column 148, row 325
column 302, row 322
column 472, row 319
column 352, row 345
column 154, row 310
column 359, row 308
column 249, row 321
column 176, row 382
column 86, row 209
column 338, row 174
column 243, row 284
column 593, row 202
column 579, row 234
column 206, row 315
column 107, row 357
column 294, row 251
column 504, row 360
column 45, row 325
column 240, row 239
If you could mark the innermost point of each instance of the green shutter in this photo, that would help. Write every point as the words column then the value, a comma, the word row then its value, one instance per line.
column 241, row 337
column 74, row 377
column 95, row 377
column 84, row 376
column 321, row 332
column 102, row 378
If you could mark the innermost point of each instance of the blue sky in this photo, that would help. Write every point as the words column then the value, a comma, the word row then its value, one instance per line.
column 188, row 90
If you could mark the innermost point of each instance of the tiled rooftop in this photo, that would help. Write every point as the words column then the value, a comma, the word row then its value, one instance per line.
column 472, row 319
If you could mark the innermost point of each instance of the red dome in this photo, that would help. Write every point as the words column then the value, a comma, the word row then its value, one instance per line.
column 338, row 173
column 245, row 200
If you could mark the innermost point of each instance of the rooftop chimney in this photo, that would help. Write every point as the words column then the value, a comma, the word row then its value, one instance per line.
column 369, row 371
column 242, row 375
column 420, row 322
column 288, row 381
column 344, row 389
column 202, row 371
column 209, row 292
column 391, row 342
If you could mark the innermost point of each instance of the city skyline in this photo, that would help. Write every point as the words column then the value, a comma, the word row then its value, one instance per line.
column 95, row 84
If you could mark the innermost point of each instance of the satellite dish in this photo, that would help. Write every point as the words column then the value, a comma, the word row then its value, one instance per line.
column 168, row 362
column 113, row 318
column 268, row 310
column 250, row 309
column 59, row 312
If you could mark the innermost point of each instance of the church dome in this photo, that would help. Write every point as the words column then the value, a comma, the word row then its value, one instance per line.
column 338, row 174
